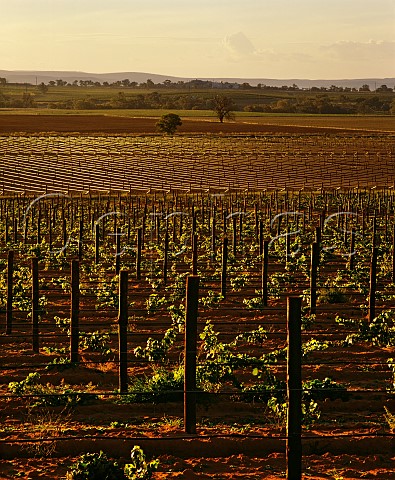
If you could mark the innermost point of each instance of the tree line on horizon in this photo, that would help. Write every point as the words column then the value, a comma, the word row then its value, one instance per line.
column 196, row 84
column 293, row 101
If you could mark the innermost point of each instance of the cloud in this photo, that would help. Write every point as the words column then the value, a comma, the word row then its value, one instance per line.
column 238, row 45
column 240, row 49
column 361, row 51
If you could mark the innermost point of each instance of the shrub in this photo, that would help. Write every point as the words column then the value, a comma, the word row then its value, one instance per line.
column 163, row 386
column 95, row 466
column 49, row 395
column 139, row 468
column 322, row 389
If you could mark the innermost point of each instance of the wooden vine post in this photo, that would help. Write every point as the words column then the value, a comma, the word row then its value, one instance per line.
column 65, row 239
column 7, row 232
column 80, row 239
column 143, row 228
column 123, row 331
column 138, row 255
column 128, row 232
column 213, row 236
column 10, row 284
column 287, row 245
column 75, row 311
column 318, row 235
column 190, row 348
column 115, row 226
column 194, row 254
column 50, row 235
column 224, row 266
column 15, row 230
column 39, row 227
column 373, row 284
column 35, row 294
column 118, row 250
column 352, row 250
column 294, row 389
column 345, row 233
column 315, row 258
column 25, row 230
column 265, row 269
column 224, row 222
column 166, row 256
column 234, row 233
column 261, row 240
column 193, row 222
column 374, row 230
column 97, row 243
column 256, row 222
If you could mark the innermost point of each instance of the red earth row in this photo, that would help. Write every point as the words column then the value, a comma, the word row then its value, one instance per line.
column 142, row 125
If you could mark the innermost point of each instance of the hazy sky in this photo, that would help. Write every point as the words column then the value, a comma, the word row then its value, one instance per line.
column 203, row 38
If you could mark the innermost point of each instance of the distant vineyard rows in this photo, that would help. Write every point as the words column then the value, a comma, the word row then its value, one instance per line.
column 82, row 163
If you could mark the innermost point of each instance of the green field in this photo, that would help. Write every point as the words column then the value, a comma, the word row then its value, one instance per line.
column 159, row 97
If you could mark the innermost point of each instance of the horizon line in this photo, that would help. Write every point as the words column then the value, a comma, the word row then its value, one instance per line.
column 194, row 77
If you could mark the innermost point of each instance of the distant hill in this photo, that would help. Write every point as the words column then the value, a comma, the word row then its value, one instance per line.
column 31, row 76
column 27, row 76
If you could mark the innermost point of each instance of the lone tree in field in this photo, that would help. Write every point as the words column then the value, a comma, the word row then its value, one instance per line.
column 169, row 123
column 223, row 106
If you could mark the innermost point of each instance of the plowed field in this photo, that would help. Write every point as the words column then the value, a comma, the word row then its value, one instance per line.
column 109, row 124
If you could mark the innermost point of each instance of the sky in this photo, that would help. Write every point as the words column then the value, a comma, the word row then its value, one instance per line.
column 315, row 39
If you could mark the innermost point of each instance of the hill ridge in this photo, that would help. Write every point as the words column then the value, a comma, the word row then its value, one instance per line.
column 38, row 76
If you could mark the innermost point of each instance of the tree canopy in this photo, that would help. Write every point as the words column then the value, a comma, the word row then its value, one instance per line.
column 223, row 106
column 169, row 123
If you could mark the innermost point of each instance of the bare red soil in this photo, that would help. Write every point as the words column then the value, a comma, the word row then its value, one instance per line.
column 107, row 124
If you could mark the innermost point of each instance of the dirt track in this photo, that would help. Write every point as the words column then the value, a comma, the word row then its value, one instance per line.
column 107, row 124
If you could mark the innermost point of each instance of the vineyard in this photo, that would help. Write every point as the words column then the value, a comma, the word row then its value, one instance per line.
column 205, row 162
column 160, row 294
column 93, row 357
